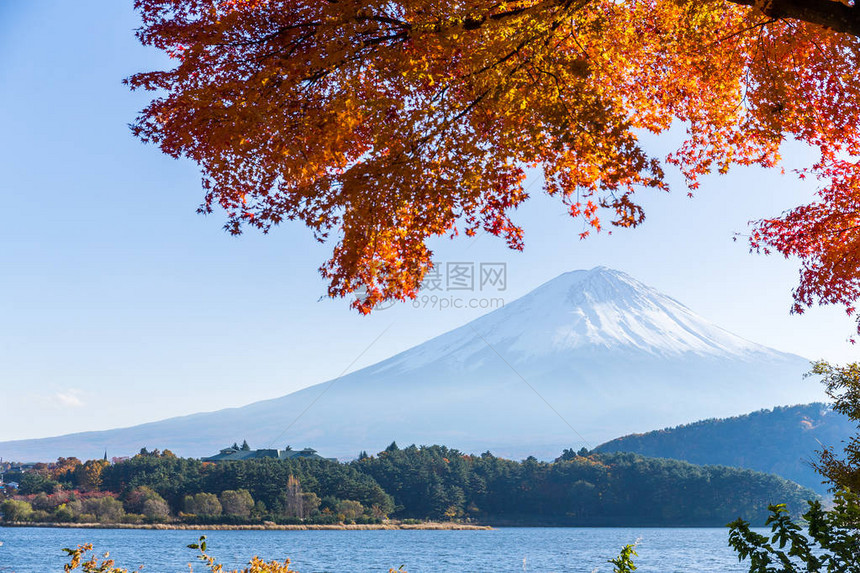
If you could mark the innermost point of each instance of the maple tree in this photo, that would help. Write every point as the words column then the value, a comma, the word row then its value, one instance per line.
column 380, row 124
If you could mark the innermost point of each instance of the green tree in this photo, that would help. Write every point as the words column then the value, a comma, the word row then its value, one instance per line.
column 831, row 541
column 15, row 510
column 842, row 385
column 828, row 544
column 383, row 124
column 33, row 483
column 349, row 510
column 237, row 503
column 203, row 504
column 624, row 562
column 64, row 514
column 105, row 509
column 566, row 455
column 155, row 509
column 43, row 502
column 310, row 503
column 135, row 499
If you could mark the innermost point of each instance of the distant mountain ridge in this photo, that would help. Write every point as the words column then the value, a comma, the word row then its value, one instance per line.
column 781, row 441
column 583, row 358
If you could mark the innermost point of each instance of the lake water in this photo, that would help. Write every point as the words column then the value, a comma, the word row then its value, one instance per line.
column 544, row 550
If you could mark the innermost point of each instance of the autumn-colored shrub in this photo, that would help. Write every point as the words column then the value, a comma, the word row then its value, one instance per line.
column 83, row 557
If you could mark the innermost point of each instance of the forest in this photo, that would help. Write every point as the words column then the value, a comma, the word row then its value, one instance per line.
column 782, row 441
column 408, row 484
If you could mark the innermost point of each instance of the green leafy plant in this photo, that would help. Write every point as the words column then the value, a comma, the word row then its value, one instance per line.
column 830, row 542
column 624, row 562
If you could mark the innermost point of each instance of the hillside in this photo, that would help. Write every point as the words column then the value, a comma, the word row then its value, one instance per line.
column 416, row 483
column 594, row 490
column 779, row 441
column 586, row 357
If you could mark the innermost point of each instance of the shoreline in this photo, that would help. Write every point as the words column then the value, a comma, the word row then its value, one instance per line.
column 433, row 525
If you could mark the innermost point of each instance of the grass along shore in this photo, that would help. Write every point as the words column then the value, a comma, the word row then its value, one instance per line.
column 434, row 525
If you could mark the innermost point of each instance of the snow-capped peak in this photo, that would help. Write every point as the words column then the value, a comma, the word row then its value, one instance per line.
column 589, row 310
column 609, row 355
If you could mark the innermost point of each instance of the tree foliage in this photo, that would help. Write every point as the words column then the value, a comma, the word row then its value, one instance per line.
column 432, row 482
column 156, row 509
column 842, row 384
column 282, row 488
column 106, row 509
column 237, row 502
column 624, row 562
column 831, row 541
column 15, row 510
column 89, row 475
column 596, row 490
column 382, row 124
column 137, row 498
column 33, row 482
column 205, row 504
column 828, row 544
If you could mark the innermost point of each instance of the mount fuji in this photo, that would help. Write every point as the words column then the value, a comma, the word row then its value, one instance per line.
column 584, row 358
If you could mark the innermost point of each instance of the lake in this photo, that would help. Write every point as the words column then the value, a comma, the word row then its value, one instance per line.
column 544, row 550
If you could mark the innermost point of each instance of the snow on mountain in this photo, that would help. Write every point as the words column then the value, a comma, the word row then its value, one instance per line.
column 600, row 309
column 586, row 357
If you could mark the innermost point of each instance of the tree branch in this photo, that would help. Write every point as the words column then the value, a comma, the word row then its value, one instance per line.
column 828, row 13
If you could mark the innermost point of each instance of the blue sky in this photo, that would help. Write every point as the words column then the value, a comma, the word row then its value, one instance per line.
column 121, row 305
